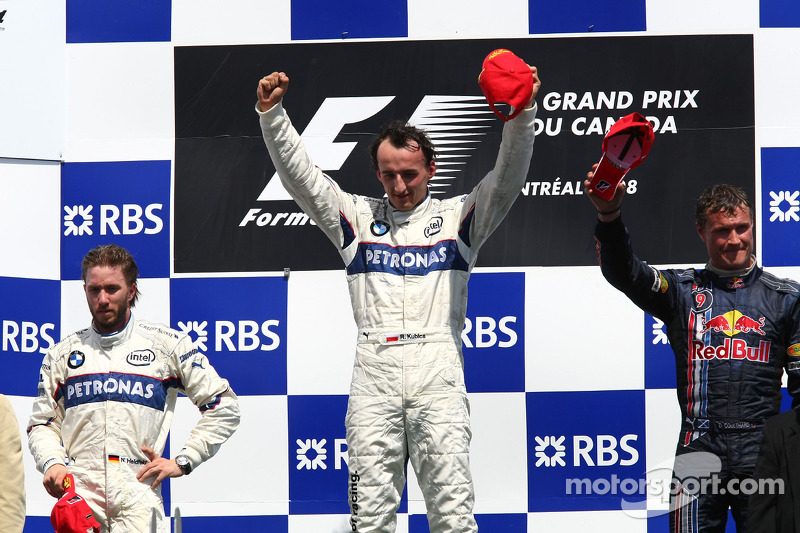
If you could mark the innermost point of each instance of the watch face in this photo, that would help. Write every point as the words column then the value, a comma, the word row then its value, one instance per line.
column 183, row 463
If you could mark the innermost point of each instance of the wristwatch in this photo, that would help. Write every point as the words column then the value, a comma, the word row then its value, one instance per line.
column 184, row 464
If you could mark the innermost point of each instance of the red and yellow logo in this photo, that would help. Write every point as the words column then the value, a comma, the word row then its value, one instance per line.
column 663, row 284
column 793, row 350
column 734, row 322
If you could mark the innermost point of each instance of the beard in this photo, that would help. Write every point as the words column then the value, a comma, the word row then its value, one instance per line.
column 108, row 320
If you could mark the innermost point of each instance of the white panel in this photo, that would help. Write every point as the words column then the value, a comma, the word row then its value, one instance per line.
column 663, row 422
column 206, row 22
column 777, row 77
column 501, row 480
column 499, row 456
column 153, row 304
column 37, row 501
column 321, row 333
column 29, row 218
column 786, row 272
column 455, row 19
column 594, row 521
column 581, row 334
column 706, row 17
column 32, row 43
column 121, row 99
column 249, row 475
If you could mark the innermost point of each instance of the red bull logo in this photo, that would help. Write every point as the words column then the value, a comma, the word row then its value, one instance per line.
column 732, row 323
column 735, row 349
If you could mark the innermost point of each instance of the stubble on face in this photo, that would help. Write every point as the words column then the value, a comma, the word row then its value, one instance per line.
column 109, row 298
column 729, row 239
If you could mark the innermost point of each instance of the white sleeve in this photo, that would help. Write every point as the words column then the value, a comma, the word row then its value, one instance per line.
column 490, row 200
column 213, row 396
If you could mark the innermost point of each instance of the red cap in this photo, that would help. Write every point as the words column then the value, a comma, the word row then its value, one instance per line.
column 507, row 79
column 72, row 514
column 625, row 146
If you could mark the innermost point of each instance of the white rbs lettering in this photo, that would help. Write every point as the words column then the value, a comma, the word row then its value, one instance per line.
column 605, row 450
column 130, row 220
column 246, row 335
column 483, row 330
column 27, row 337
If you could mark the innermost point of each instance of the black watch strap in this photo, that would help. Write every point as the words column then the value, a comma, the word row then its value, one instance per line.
column 184, row 464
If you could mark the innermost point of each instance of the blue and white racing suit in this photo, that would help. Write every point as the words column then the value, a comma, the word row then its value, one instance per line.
column 101, row 397
column 407, row 274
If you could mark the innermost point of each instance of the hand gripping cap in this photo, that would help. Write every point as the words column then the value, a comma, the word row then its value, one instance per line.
column 71, row 513
column 625, row 146
column 507, row 79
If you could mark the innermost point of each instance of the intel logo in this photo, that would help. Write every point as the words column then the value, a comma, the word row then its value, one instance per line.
column 141, row 357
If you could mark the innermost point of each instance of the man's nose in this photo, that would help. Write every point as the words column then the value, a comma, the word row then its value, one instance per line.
column 398, row 184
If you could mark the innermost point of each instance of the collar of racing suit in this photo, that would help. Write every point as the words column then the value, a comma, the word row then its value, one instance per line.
column 111, row 339
column 734, row 279
column 401, row 217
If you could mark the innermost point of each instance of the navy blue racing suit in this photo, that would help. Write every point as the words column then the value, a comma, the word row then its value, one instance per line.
column 732, row 337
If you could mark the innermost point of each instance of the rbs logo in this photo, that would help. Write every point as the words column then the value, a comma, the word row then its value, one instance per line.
column 239, row 336
column 246, row 336
column 600, row 450
column 27, row 337
column 486, row 332
column 128, row 219
column 605, row 450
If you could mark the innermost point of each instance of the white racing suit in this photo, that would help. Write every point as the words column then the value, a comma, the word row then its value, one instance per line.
column 104, row 396
column 407, row 273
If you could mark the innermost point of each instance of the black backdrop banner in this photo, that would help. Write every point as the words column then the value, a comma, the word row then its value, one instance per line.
column 232, row 215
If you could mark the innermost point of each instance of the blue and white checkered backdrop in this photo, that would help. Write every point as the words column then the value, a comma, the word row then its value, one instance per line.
column 567, row 379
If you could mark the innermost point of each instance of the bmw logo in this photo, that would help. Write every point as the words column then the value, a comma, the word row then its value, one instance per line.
column 379, row 228
column 76, row 359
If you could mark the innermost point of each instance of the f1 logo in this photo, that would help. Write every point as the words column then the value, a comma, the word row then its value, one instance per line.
column 335, row 113
column 332, row 116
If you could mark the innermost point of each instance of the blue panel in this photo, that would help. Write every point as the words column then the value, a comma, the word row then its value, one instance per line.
column 38, row 524
column 318, row 473
column 659, row 359
column 786, row 400
column 125, row 203
column 240, row 524
column 30, row 323
column 240, row 323
column 507, row 523
column 339, row 19
column 780, row 206
column 584, row 456
column 102, row 21
column 779, row 13
column 494, row 333
column 578, row 16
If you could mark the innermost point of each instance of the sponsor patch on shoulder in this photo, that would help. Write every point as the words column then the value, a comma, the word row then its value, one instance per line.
column 793, row 350
column 663, row 284
column 660, row 283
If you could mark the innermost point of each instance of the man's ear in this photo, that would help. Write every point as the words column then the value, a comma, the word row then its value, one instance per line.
column 134, row 288
column 699, row 229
